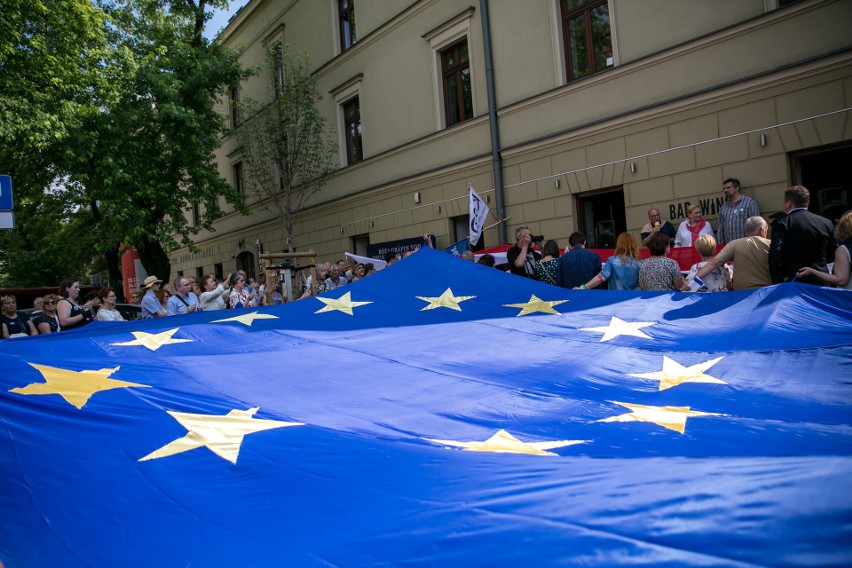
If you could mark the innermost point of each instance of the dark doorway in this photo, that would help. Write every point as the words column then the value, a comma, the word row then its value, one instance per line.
column 461, row 229
column 245, row 262
column 601, row 217
column 827, row 176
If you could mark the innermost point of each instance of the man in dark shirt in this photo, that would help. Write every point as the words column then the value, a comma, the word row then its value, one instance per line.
column 656, row 225
column 522, row 257
column 577, row 266
column 800, row 239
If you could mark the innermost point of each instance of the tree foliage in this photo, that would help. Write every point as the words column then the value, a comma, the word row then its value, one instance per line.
column 287, row 147
column 126, row 120
column 51, row 75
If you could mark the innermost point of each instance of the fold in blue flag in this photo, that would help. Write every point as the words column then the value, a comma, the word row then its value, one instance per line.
column 438, row 413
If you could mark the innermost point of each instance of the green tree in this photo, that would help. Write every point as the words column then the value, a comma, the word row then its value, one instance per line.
column 287, row 147
column 117, row 101
column 51, row 56
column 147, row 159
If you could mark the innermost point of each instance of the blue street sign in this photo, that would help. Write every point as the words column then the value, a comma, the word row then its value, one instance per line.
column 5, row 193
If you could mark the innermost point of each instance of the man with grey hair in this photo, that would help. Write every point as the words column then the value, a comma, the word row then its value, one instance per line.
column 522, row 257
column 183, row 301
column 749, row 254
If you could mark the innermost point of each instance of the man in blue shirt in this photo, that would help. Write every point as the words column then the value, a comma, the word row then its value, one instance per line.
column 577, row 266
column 183, row 301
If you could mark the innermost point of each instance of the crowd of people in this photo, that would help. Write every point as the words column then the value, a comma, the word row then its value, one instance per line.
column 797, row 247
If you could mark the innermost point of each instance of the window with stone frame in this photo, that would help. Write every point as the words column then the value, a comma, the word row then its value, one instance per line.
column 353, row 129
column 586, row 37
column 455, row 76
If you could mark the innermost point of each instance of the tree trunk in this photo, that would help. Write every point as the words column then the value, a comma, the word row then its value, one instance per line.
column 113, row 263
column 154, row 259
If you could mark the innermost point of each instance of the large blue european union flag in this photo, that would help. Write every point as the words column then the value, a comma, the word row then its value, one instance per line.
column 438, row 413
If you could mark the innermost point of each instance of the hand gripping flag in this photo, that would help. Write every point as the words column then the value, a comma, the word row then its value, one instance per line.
column 478, row 214
column 438, row 413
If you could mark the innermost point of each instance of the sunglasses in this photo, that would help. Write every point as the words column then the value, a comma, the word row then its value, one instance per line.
column 50, row 303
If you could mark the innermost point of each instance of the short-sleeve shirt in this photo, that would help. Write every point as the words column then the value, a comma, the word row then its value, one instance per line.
column 52, row 321
column 732, row 219
column 659, row 273
column 150, row 305
column 177, row 305
column 750, row 256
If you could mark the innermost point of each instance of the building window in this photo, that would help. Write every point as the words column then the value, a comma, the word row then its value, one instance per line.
column 277, row 64
column 586, row 34
column 350, row 140
column 235, row 107
column 199, row 273
column 346, row 21
column 352, row 124
column 196, row 214
column 218, row 272
column 238, row 177
column 455, row 74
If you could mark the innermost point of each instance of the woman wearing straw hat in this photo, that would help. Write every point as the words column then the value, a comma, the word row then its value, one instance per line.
column 151, row 306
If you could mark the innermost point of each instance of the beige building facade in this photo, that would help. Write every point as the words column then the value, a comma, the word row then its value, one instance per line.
column 603, row 108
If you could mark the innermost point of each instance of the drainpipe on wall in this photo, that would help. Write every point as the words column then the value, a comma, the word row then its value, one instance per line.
column 496, row 159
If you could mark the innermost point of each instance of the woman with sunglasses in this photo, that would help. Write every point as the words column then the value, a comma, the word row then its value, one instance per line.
column 48, row 321
column 239, row 297
column 14, row 324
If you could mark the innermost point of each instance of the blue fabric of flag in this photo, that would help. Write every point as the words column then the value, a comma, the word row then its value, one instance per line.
column 457, row 248
column 438, row 413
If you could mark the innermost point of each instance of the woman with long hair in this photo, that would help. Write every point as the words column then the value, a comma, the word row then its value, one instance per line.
column 545, row 269
column 621, row 270
column 71, row 314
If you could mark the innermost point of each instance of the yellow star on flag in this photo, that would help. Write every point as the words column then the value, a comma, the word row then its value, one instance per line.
column 536, row 304
column 504, row 443
column 671, row 417
column 342, row 304
column 221, row 434
column 248, row 319
column 618, row 327
column 76, row 387
column 445, row 300
column 154, row 341
column 674, row 373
